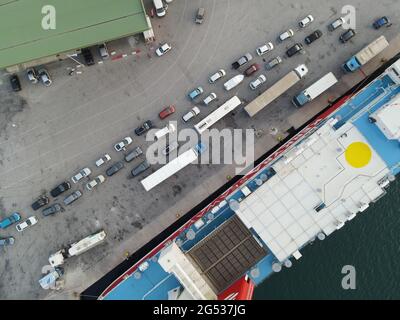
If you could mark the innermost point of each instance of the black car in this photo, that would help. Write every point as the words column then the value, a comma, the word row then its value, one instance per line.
column 87, row 55
column 7, row 241
column 313, row 36
column 349, row 34
column 15, row 84
column 144, row 128
column 60, row 189
column 114, row 168
column 41, row 202
column 298, row 47
column 51, row 210
column 140, row 168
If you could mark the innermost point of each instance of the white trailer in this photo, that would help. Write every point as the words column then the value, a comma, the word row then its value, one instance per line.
column 276, row 90
column 172, row 167
column 218, row 114
column 77, row 248
column 315, row 90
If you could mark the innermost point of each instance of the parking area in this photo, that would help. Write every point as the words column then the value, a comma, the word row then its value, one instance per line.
column 47, row 134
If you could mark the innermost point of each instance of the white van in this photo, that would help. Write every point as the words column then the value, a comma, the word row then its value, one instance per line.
column 161, row 10
column 232, row 83
column 164, row 131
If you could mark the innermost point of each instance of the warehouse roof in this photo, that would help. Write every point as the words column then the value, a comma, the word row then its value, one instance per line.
column 78, row 24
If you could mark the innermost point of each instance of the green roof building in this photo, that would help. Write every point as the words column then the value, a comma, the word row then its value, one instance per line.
column 78, row 24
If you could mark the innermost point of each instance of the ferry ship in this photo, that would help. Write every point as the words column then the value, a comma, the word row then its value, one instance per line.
column 311, row 186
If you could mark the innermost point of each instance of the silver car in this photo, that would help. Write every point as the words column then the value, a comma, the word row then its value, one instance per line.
column 72, row 197
column 44, row 77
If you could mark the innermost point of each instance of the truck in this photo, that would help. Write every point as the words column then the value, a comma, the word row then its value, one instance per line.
column 57, row 259
column 315, row 90
column 366, row 54
column 49, row 281
column 274, row 92
column 173, row 167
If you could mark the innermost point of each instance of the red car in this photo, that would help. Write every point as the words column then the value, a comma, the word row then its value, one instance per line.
column 167, row 112
column 253, row 68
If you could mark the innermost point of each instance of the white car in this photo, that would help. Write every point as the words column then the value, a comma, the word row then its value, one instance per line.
column 163, row 49
column 164, row 131
column 104, row 159
column 216, row 76
column 123, row 144
column 258, row 82
column 168, row 1
column 286, row 35
column 306, row 21
column 96, row 181
column 232, row 83
column 45, row 77
column 27, row 223
column 265, row 48
column 191, row 114
column 210, row 98
column 81, row 174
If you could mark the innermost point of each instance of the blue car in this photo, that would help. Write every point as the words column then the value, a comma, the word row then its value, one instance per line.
column 15, row 217
column 384, row 21
column 195, row 93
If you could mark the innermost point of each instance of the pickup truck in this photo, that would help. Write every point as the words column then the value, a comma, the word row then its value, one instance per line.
column 242, row 61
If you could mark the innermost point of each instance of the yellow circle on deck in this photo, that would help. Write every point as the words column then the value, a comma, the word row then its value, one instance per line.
column 358, row 154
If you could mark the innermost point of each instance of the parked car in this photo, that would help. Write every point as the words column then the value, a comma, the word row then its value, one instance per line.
column 233, row 82
column 286, row 35
column 161, row 8
column 274, row 62
column 167, row 112
column 114, row 168
column 163, row 49
column 41, row 202
column 336, row 24
column 44, row 77
column 195, row 93
column 31, row 221
column 169, row 148
column 7, row 241
column 140, row 168
column 242, row 61
column 252, row 69
column 72, row 197
column 13, row 218
column 60, row 189
column 53, row 209
column 103, row 51
column 306, row 21
column 15, row 83
column 200, row 15
column 258, row 82
column 123, row 144
column 146, row 126
column 349, row 34
column 211, row 97
column 164, row 131
column 381, row 22
column 297, row 48
column 191, row 114
column 104, row 159
column 81, row 174
column 87, row 55
column 96, row 181
column 133, row 154
column 265, row 48
column 216, row 76
column 313, row 37
column 32, row 75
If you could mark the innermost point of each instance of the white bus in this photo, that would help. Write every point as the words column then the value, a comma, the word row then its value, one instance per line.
column 172, row 167
column 218, row 114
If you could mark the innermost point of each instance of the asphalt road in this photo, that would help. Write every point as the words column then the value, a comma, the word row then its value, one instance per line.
column 48, row 134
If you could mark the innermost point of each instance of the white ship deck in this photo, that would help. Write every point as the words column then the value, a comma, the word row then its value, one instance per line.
column 319, row 185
